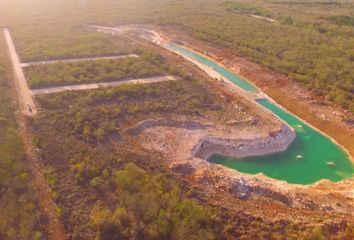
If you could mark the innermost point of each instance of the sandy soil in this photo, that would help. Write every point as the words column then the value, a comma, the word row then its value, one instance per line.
column 28, row 64
column 80, row 87
column 25, row 99
column 265, row 18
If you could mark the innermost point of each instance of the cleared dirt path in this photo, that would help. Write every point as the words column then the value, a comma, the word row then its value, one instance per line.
column 54, row 227
column 80, row 87
column 28, row 64
column 26, row 103
column 265, row 18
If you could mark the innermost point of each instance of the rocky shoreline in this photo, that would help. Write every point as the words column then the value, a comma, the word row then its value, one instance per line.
column 275, row 142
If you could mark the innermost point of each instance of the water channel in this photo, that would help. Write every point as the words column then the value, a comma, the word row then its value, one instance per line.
column 311, row 157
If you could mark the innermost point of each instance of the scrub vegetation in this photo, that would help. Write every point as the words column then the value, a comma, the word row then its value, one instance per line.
column 19, row 215
column 72, row 42
column 106, row 190
column 124, row 193
column 149, row 64
column 342, row 20
column 320, row 34
column 246, row 8
column 319, row 57
column 177, row 98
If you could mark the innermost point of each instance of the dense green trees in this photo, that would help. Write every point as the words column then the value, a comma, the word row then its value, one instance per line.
column 152, row 207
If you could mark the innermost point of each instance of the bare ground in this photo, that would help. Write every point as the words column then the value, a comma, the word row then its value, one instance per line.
column 25, row 99
column 28, row 64
column 79, row 87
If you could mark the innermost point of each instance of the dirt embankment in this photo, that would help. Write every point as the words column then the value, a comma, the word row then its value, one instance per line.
column 275, row 142
column 329, row 118
column 211, row 140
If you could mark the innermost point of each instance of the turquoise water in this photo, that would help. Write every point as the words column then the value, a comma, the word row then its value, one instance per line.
column 218, row 68
column 316, row 149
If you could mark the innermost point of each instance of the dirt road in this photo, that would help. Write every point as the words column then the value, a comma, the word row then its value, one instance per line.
column 265, row 18
column 80, row 87
column 27, row 105
column 155, row 37
column 54, row 227
column 28, row 64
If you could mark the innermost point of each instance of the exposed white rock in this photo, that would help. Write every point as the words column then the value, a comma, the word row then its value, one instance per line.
column 238, row 148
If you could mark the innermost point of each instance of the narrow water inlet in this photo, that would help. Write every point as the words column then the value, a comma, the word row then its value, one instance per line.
column 237, row 80
column 316, row 150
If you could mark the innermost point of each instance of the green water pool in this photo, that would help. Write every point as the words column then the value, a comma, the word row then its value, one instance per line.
column 310, row 158
column 218, row 68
